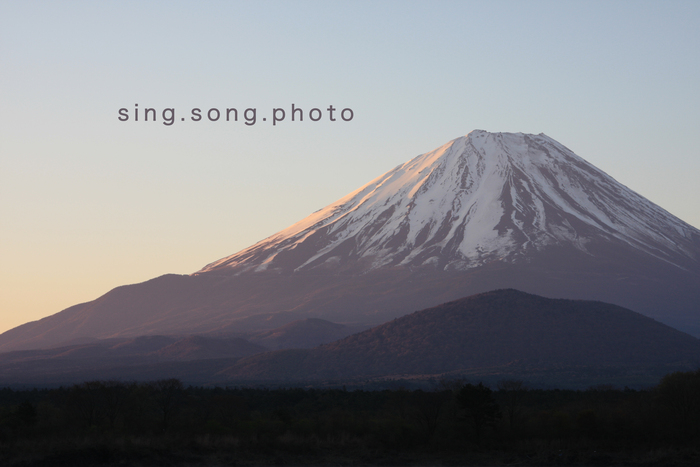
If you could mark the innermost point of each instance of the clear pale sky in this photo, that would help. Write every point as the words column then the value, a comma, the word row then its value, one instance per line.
column 88, row 202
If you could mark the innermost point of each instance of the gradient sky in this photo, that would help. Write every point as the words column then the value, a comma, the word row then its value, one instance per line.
column 88, row 203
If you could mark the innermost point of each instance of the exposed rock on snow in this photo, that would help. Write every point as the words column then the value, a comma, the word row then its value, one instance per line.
column 480, row 198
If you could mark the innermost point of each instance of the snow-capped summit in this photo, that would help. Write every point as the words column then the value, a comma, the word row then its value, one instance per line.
column 480, row 198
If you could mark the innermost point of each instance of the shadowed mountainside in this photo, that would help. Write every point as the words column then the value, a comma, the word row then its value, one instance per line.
column 504, row 332
column 488, row 330
column 303, row 334
column 57, row 364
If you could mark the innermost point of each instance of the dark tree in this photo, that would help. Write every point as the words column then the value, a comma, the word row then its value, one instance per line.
column 479, row 406
column 114, row 394
column 427, row 409
column 679, row 396
column 26, row 414
column 513, row 392
column 167, row 394
column 84, row 400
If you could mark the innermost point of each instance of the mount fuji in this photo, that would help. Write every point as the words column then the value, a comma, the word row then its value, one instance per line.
column 484, row 211
column 478, row 199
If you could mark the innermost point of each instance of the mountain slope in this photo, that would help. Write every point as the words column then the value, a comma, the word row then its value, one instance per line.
column 493, row 329
column 483, row 212
column 305, row 333
column 140, row 355
column 495, row 335
column 480, row 198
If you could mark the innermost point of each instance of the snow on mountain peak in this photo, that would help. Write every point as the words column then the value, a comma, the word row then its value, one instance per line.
column 479, row 198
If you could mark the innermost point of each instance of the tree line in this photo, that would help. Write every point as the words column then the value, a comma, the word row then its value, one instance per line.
column 108, row 420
